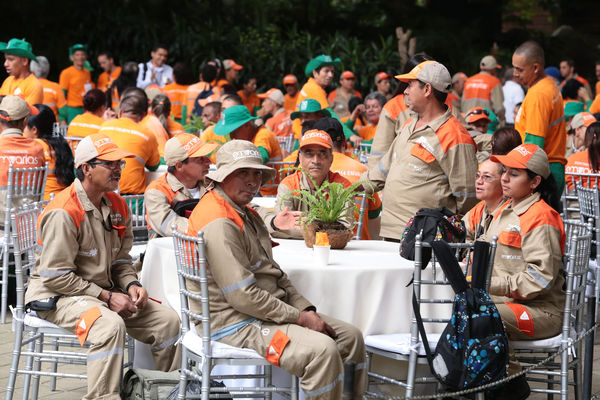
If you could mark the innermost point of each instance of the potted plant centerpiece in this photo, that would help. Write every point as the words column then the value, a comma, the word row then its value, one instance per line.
column 327, row 205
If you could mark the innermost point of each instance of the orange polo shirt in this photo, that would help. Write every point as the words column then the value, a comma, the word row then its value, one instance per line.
column 174, row 127
column 76, row 83
column 352, row 170
column 595, row 106
column 542, row 114
column 30, row 88
column 289, row 102
column 177, row 95
column 134, row 138
column 20, row 151
column 578, row 163
column 280, row 123
column 105, row 79
column 310, row 90
column 367, row 132
column 85, row 124
column 53, row 96
column 251, row 102
column 52, row 183
column 209, row 136
column 220, row 83
column 152, row 124
column 192, row 93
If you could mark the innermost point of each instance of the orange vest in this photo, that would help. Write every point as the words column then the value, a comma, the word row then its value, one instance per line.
column 480, row 86
column 177, row 95
column 21, row 152
column 212, row 207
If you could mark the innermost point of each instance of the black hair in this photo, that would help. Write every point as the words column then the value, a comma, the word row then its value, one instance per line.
column 570, row 62
column 354, row 102
column 209, row 73
column 171, row 168
column 504, row 140
column 333, row 127
column 182, row 74
column 44, row 122
column 570, row 89
column 127, row 79
column 159, row 46
column 234, row 97
column 134, row 104
column 106, row 54
column 79, row 173
column 161, row 108
column 439, row 96
column 135, row 92
column 215, row 105
column 247, row 77
column 93, row 100
column 410, row 64
column 229, row 89
column 592, row 142
column 548, row 190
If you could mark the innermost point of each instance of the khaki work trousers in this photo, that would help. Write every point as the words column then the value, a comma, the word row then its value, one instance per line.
column 314, row 357
column 155, row 325
column 545, row 325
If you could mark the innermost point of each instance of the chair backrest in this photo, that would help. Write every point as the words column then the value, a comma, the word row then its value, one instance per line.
column 569, row 197
column 23, row 234
column 435, row 308
column 286, row 142
column 73, row 141
column 191, row 266
column 577, row 272
column 589, row 207
column 361, row 202
column 137, row 210
column 362, row 152
column 283, row 169
column 24, row 186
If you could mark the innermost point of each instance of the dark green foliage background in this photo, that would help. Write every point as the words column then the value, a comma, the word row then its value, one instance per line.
column 274, row 37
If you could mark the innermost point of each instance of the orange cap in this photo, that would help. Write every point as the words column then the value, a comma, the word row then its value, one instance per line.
column 98, row 146
column 381, row 76
column 229, row 63
column 274, row 94
column 477, row 113
column 526, row 156
column 290, row 79
column 316, row 136
column 582, row 119
column 186, row 145
column 348, row 75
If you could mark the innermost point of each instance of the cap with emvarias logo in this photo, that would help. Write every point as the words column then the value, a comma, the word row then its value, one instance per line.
column 582, row 119
column 431, row 72
column 186, row 145
column 98, row 146
column 237, row 154
column 16, row 108
column 526, row 156
column 316, row 136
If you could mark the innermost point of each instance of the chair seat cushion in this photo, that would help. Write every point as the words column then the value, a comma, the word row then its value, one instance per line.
column 538, row 344
column 193, row 342
column 399, row 342
column 31, row 319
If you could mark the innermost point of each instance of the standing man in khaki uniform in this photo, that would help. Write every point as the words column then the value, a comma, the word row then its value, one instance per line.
column 484, row 89
column 431, row 162
column 85, row 282
column 252, row 302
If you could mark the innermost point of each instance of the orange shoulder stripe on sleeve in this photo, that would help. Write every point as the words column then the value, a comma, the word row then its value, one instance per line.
column 452, row 133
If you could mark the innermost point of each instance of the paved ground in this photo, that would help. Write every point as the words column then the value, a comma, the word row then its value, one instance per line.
column 68, row 389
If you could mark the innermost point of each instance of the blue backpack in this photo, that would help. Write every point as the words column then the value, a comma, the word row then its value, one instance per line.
column 473, row 348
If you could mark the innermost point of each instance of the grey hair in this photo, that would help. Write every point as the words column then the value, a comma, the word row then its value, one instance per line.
column 41, row 67
column 377, row 96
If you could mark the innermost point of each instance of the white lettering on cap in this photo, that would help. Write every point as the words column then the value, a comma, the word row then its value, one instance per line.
column 316, row 134
column 239, row 155
column 523, row 151
column 102, row 142
column 189, row 146
column 303, row 105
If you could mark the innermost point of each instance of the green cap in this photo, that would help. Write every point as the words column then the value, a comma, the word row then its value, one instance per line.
column 76, row 47
column 319, row 61
column 233, row 118
column 88, row 66
column 17, row 47
column 309, row 106
column 493, row 125
column 573, row 107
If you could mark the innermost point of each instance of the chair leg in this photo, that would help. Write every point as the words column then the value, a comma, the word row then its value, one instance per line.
column 16, row 356
column 28, row 367
column 268, row 378
column 54, row 366
column 410, row 375
column 295, row 388
column 182, row 375
column 37, row 366
column 5, row 257
column 368, row 366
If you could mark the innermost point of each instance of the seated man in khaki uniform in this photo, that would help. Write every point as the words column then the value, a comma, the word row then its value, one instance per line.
column 187, row 159
column 84, row 281
column 253, row 304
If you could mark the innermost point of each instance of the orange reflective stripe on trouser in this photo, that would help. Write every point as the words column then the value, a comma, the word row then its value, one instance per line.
column 524, row 319
column 275, row 348
column 85, row 322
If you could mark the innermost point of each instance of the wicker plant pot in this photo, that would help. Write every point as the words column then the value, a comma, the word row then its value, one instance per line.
column 337, row 233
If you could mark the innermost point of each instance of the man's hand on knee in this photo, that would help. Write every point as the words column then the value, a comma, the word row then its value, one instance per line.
column 119, row 303
column 311, row 320
column 138, row 295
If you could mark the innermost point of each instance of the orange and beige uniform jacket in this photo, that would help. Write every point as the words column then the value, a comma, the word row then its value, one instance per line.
column 134, row 138
column 393, row 116
column 531, row 241
column 483, row 90
column 177, row 95
column 76, row 255
column 244, row 281
column 280, row 123
column 30, row 88
column 161, row 194
column 22, row 153
column 478, row 220
column 431, row 166
column 298, row 181
column 52, row 183
column 85, row 124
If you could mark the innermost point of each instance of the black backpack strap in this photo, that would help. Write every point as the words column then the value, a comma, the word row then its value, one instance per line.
column 417, row 314
column 450, row 266
column 481, row 258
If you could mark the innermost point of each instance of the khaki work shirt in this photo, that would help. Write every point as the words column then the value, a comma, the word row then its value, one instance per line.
column 528, row 262
column 76, row 254
column 244, row 282
column 431, row 166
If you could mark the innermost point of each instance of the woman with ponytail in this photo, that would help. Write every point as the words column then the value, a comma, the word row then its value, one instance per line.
column 159, row 122
column 61, row 171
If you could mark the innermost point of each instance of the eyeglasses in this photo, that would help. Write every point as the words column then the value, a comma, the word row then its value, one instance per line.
column 486, row 178
column 477, row 112
column 109, row 164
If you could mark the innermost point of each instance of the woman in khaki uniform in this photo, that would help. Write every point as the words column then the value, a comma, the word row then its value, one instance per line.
column 526, row 281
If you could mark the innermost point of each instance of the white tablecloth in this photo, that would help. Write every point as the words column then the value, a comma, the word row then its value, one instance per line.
column 364, row 284
column 267, row 202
